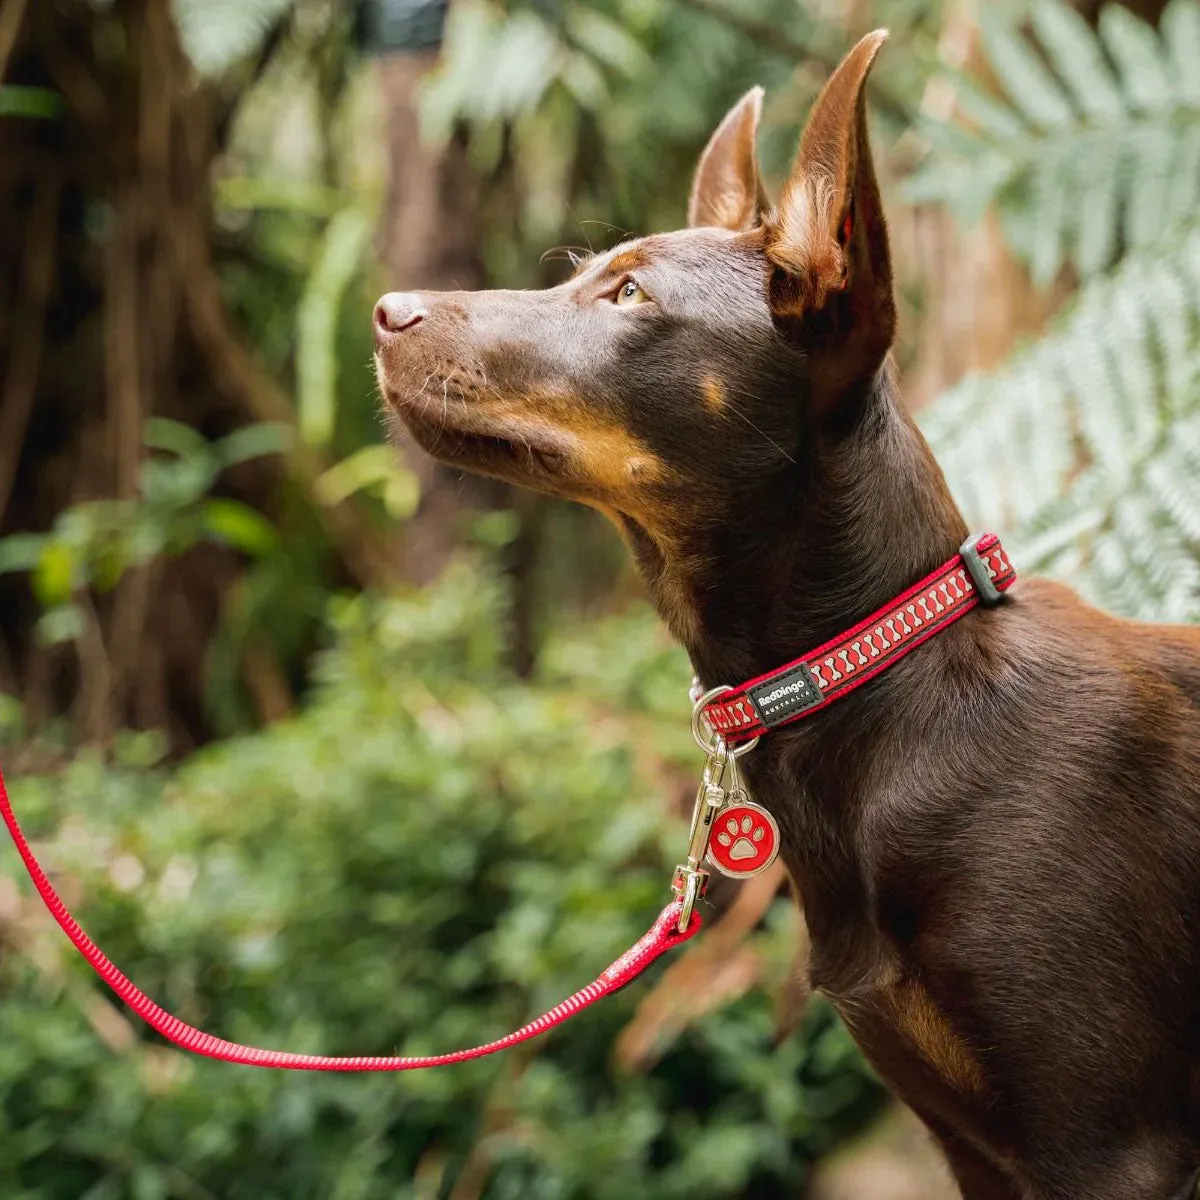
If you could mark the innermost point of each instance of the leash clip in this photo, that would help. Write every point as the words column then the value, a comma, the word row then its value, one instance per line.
column 690, row 880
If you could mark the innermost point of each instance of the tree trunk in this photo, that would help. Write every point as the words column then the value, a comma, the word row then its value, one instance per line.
column 111, row 310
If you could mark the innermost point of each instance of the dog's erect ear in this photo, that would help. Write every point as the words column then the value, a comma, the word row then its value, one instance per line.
column 726, row 190
column 827, row 239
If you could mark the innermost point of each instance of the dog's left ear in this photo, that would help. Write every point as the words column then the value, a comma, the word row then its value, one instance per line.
column 827, row 239
column 726, row 190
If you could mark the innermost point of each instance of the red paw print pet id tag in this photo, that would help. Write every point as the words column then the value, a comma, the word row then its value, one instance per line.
column 744, row 839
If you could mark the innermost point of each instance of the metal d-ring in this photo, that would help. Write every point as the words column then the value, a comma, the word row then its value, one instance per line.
column 709, row 744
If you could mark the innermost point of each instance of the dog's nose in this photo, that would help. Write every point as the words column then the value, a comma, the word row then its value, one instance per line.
column 396, row 312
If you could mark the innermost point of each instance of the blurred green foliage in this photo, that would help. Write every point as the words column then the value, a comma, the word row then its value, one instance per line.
column 92, row 545
column 1087, row 442
column 433, row 850
column 1091, row 150
column 428, row 856
column 591, row 115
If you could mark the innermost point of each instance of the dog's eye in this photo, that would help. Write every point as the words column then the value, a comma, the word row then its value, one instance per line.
column 629, row 293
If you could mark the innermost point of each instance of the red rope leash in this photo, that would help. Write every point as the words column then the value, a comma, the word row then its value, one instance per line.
column 746, row 844
column 662, row 936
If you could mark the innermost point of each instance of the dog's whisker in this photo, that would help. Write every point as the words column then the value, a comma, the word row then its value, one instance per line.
column 572, row 254
column 737, row 412
column 580, row 223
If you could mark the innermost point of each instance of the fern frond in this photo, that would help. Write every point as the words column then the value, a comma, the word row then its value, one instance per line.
column 1094, row 145
column 1087, row 443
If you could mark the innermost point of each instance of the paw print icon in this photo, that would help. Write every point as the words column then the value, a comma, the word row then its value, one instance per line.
column 745, row 840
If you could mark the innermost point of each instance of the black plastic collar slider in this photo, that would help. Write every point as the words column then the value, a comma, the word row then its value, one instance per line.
column 981, row 577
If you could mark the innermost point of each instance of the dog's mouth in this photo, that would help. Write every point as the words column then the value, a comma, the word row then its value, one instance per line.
column 510, row 450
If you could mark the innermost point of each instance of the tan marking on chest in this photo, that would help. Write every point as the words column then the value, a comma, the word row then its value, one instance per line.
column 908, row 1006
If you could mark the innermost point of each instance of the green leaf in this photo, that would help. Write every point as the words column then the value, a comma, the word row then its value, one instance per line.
column 1180, row 26
column 1078, row 59
column 244, row 193
column 607, row 41
column 1031, row 87
column 401, row 495
column 254, row 441
column 497, row 529
column 56, row 573
column 525, row 61
column 12, row 718
column 62, row 623
column 342, row 248
column 1087, row 443
column 995, row 118
column 1151, row 162
column 140, row 748
column 1124, row 168
column 218, row 33
column 175, row 483
column 37, row 103
column 238, row 525
column 146, row 535
column 585, row 81
column 160, row 433
column 1096, row 217
column 376, row 469
column 20, row 551
column 1139, row 56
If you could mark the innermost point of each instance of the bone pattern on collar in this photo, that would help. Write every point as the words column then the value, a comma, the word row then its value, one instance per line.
column 815, row 680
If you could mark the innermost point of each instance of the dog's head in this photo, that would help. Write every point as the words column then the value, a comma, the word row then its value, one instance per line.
column 674, row 377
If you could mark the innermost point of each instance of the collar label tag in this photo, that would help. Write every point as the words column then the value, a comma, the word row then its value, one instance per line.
column 784, row 696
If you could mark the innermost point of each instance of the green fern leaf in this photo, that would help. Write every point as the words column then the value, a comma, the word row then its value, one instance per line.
column 1086, row 444
column 1180, row 25
column 1078, row 59
column 1138, row 53
column 1032, row 88
column 1082, row 157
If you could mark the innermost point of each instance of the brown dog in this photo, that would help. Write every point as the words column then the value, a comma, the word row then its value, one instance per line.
column 997, row 841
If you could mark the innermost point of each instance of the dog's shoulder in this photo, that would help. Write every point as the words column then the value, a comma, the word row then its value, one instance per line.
column 1054, row 623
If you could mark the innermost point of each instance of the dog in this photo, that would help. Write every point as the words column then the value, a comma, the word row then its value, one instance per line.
column 996, row 843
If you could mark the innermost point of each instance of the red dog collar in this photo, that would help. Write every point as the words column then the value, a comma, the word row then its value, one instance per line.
column 979, row 574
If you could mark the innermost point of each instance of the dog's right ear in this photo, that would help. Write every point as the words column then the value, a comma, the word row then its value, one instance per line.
column 726, row 190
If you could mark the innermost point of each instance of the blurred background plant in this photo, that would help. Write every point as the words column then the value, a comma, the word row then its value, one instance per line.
column 339, row 750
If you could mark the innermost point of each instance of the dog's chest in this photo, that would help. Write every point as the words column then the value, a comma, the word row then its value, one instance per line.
column 919, row 1051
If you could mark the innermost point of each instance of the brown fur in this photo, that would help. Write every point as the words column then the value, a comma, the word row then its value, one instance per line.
column 996, row 843
column 719, row 197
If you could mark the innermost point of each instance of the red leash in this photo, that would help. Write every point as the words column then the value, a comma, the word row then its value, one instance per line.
column 662, row 936
column 737, row 836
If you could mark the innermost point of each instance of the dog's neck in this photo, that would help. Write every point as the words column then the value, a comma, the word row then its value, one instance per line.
column 860, row 518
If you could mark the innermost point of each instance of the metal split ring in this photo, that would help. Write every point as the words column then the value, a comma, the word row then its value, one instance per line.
column 710, row 743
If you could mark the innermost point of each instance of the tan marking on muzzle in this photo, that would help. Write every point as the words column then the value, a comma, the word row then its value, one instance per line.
column 616, row 460
column 605, row 457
